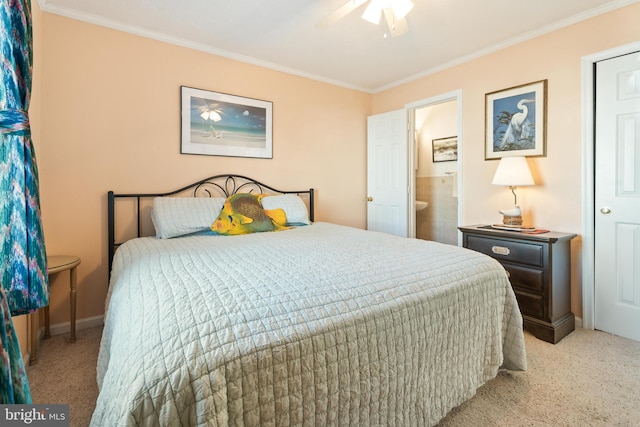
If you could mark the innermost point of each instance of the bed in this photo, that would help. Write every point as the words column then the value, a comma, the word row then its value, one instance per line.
column 316, row 324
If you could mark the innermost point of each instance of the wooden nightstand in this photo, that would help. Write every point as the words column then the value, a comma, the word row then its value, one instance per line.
column 539, row 268
column 56, row 264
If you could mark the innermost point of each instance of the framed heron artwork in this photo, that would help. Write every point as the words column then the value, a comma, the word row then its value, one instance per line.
column 516, row 121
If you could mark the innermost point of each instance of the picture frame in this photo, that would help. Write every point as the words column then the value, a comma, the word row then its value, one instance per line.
column 445, row 149
column 219, row 124
column 516, row 121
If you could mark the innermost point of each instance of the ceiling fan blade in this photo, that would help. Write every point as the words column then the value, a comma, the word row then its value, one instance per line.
column 340, row 13
column 396, row 27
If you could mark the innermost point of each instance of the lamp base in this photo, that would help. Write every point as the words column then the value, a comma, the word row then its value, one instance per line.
column 512, row 219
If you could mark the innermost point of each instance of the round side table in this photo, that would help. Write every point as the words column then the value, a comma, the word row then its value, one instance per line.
column 56, row 264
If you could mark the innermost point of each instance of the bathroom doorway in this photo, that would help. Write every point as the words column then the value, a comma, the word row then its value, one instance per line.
column 436, row 165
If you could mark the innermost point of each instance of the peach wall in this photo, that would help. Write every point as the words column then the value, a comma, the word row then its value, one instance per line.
column 555, row 202
column 439, row 121
column 110, row 121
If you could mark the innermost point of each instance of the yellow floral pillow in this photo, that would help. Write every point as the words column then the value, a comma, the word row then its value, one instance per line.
column 242, row 213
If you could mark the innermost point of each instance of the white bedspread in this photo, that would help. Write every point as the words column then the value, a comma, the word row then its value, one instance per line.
column 319, row 325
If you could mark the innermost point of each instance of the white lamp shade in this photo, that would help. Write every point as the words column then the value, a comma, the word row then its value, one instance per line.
column 513, row 172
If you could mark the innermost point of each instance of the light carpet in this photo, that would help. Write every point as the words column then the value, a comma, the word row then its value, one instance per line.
column 590, row 378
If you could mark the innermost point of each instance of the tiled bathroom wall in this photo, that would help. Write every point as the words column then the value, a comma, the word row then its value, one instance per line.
column 439, row 220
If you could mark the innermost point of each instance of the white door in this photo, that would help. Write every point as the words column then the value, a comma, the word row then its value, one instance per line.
column 388, row 173
column 617, row 196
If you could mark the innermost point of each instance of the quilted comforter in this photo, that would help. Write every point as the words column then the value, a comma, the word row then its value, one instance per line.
column 318, row 325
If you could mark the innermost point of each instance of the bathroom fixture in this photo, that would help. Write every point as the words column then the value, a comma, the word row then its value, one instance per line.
column 420, row 205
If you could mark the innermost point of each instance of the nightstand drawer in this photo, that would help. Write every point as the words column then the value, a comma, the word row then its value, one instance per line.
column 531, row 305
column 523, row 277
column 505, row 250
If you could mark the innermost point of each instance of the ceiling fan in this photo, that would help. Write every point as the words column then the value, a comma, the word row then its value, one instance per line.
column 394, row 12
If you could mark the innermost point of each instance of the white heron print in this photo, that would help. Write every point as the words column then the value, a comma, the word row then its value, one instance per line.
column 515, row 123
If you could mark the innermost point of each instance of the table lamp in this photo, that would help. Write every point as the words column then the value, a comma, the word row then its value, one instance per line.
column 513, row 172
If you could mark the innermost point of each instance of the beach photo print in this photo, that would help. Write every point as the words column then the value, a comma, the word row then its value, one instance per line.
column 218, row 124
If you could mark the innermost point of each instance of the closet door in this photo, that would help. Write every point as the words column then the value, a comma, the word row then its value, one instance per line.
column 617, row 196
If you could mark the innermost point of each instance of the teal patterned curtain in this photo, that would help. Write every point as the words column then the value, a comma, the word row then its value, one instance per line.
column 23, row 262
column 14, row 386
column 23, row 259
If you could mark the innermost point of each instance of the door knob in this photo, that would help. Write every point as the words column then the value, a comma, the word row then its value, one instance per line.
column 369, row 199
column 605, row 211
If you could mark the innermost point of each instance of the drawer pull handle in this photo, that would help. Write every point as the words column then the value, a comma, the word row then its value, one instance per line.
column 500, row 250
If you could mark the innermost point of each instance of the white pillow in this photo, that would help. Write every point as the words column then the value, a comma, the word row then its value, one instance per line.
column 177, row 216
column 293, row 206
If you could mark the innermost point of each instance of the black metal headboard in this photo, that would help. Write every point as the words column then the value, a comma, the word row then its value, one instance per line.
column 214, row 186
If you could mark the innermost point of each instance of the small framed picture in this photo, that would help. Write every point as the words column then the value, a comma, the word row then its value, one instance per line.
column 218, row 124
column 516, row 121
column 445, row 149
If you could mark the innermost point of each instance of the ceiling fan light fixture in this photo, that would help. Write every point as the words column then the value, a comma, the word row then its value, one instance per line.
column 401, row 8
column 373, row 12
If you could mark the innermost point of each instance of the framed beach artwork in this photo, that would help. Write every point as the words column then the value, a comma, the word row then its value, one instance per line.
column 445, row 149
column 218, row 124
column 516, row 121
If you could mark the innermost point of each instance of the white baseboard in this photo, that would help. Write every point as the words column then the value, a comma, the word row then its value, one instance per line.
column 578, row 322
column 63, row 328
column 86, row 323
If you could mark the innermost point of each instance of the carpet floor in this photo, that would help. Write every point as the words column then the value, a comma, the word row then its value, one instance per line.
column 590, row 378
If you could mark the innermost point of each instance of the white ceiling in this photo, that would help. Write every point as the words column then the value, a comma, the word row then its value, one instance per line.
column 281, row 34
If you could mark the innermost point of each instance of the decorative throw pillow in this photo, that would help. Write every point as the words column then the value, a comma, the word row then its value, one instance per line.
column 242, row 213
